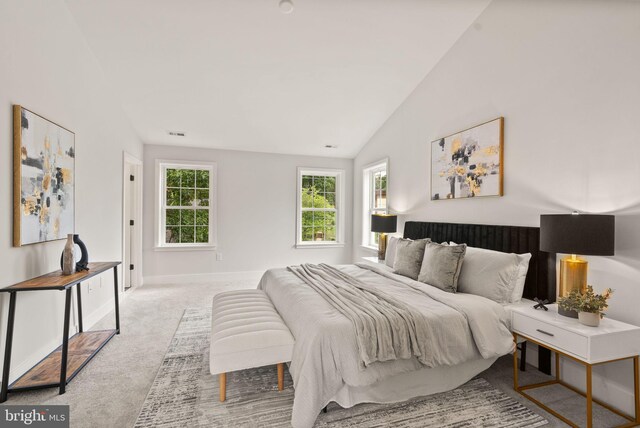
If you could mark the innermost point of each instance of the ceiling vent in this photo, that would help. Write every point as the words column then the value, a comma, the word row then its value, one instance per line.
column 330, row 146
column 176, row 133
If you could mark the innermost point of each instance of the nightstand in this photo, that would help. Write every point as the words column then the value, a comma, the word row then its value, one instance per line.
column 589, row 346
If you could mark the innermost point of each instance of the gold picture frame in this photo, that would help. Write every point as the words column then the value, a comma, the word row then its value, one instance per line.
column 43, row 179
column 469, row 163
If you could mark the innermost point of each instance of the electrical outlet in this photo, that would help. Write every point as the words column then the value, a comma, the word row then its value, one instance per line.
column 219, row 257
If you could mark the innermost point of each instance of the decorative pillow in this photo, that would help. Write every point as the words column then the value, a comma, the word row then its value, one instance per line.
column 390, row 255
column 441, row 265
column 523, row 268
column 494, row 274
column 409, row 256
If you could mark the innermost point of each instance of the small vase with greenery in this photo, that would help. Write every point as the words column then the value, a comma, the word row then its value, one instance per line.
column 590, row 306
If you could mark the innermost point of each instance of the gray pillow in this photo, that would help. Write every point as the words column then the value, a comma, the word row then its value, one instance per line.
column 441, row 265
column 409, row 256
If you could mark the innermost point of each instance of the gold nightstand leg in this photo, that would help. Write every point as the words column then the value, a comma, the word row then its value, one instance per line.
column 589, row 398
column 636, row 387
column 633, row 421
column 515, row 362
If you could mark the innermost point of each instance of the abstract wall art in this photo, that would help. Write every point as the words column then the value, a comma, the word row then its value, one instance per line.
column 468, row 163
column 43, row 179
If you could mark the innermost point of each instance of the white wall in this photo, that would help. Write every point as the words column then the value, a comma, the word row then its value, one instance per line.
column 47, row 67
column 256, row 215
column 565, row 75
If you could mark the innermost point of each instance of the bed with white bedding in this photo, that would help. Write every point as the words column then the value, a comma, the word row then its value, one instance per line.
column 466, row 333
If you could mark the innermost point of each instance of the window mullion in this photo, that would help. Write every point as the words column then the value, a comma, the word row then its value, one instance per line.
column 194, row 188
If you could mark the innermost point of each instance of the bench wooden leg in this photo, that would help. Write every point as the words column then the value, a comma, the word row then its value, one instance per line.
column 280, row 376
column 222, row 377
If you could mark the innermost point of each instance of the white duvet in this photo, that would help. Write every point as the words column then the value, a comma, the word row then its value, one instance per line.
column 325, row 357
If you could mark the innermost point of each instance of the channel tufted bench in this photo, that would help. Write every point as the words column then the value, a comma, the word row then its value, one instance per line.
column 247, row 332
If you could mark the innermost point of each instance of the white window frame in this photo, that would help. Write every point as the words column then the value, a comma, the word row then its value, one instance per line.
column 160, row 229
column 368, row 172
column 340, row 224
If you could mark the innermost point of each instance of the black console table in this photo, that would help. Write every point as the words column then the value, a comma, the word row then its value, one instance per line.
column 59, row 367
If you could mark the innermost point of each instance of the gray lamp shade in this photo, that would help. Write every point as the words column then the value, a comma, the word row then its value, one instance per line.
column 584, row 234
column 384, row 223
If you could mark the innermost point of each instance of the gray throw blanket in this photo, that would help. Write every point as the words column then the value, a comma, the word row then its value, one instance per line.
column 386, row 329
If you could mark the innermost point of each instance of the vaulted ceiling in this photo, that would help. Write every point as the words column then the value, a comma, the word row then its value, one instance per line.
column 242, row 75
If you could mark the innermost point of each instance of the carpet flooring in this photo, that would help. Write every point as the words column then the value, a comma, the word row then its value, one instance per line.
column 185, row 394
column 111, row 390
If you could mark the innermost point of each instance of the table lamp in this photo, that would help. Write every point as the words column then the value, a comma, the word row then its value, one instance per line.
column 383, row 224
column 573, row 234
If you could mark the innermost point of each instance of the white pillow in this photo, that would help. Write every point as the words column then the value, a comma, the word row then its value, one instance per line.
column 390, row 255
column 493, row 274
column 523, row 268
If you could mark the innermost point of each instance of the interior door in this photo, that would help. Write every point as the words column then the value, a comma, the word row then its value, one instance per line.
column 129, row 226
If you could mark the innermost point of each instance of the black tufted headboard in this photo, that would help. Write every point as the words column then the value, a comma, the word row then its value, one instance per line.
column 541, row 277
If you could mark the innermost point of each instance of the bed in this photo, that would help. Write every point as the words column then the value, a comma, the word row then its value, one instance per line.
column 466, row 333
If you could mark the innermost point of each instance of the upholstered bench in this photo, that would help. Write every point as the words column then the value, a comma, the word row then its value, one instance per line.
column 247, row 332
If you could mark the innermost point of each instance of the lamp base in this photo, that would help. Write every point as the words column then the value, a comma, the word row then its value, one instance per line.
column 566, row 313
column 573, row 276
column 382, row 246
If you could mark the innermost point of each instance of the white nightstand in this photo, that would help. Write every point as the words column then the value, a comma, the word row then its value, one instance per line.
column 589, row 346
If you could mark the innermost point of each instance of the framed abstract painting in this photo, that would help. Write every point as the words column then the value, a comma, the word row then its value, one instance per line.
column 469, row 163
column 43, row 179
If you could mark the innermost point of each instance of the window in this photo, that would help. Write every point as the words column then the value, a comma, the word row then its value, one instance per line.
column 320, row 214
column 187, row 205
column 374, row 189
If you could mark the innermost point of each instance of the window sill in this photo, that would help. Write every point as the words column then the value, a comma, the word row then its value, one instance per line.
column 321, row 245
column 186, row 248
column 369, row 248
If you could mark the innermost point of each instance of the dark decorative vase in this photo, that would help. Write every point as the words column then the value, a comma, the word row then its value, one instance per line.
column 83, row 263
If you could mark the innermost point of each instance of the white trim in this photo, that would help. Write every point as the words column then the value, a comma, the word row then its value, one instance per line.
column 28, row 362
column 104, row 310
column 340, row 207
column 159, row 243
column 33, row 358
column 186, row 248
column 199, row 278
column 367, row 170
column 319, row 244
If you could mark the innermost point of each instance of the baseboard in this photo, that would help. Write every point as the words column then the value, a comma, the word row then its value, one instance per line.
column 603, row 389
column 199, row 278
column 34, row 358
column 92, row 319
column 45, row 349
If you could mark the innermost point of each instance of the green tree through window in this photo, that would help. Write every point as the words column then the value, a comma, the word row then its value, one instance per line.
column 187, row 204
column 318, row 200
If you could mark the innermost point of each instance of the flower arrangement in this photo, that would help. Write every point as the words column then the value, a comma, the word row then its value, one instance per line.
column 589, row 302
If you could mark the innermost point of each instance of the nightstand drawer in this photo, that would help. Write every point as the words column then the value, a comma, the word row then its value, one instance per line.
column 553, row 335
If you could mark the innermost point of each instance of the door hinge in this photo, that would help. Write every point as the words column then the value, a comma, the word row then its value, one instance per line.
column 131, row 177
column 130, row 222
column 130, row 267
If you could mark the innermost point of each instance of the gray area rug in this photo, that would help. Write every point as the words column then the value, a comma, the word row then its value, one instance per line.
column 185, row 394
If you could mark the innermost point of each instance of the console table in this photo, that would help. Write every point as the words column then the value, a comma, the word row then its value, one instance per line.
column 60, row 366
